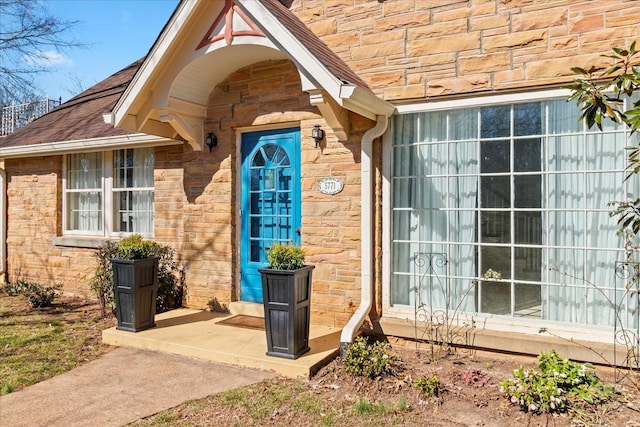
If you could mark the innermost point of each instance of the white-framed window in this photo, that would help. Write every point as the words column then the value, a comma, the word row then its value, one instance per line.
column 109, row 193
column 519, row 188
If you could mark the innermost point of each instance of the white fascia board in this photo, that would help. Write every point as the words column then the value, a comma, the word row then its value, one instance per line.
column 86, row 145
column 142, row 76
column 357, row 98
column 477, row 101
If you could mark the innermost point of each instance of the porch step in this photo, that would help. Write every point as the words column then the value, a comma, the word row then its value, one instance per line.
column 196, row 333
column 246, row 308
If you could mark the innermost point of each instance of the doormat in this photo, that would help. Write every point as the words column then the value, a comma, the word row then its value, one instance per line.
column 244, row 321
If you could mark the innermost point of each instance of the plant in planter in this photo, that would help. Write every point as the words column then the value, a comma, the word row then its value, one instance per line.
column 135, row 282
column 286, row 291
column 285, row 257
column 170, row 278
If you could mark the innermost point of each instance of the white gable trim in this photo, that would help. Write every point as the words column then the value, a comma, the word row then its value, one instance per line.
column 345, row 93
column 168, row 59
column 143, row 75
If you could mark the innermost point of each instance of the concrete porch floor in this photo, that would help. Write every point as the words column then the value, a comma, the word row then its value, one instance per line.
column 196, row 333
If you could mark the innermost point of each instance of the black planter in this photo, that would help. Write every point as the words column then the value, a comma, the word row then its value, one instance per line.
column 286, row 295
column 135, row 287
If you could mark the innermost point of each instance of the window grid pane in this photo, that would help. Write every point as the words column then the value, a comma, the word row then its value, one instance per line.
column 133, row 195
column 84, row 193
column 131, row 198
column 528, row 198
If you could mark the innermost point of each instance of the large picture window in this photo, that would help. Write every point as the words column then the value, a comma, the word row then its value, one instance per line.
column 515, row 196
column 110, row 193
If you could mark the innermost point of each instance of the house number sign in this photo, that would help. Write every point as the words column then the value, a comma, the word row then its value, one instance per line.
column 330, row 186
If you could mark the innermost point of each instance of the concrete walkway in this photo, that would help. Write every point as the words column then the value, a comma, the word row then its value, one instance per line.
column 120, row 387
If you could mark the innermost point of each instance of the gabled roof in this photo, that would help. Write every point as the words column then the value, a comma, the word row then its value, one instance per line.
column 169, row 93
column 80, row 117
column 80, row 121
column 316, row 47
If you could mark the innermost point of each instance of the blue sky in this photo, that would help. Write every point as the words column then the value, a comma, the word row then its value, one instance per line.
column 117, row 33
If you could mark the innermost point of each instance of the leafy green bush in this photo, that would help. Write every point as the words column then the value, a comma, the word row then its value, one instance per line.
column 39, row 295
column 285, row 257
column 135, row 247
column 558, row 384
column 170, row 288
column 102, row 281
column 429, row 386
column 11, row 288
column 36, row 294
column 370, row 360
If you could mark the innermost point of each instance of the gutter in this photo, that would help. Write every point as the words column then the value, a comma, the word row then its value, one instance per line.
column 84, row 145
column 366, row 221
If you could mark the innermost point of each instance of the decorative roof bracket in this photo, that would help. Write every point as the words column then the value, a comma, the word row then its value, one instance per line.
column 335, row 116
column 188, row 127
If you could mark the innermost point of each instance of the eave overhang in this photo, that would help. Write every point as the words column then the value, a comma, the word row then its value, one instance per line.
column 169, row 93
column 86, row 145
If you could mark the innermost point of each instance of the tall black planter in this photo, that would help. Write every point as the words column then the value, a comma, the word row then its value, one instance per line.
column 286, row 295
column 135, row 286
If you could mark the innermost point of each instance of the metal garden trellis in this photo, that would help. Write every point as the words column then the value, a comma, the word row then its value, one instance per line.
column 627, row 317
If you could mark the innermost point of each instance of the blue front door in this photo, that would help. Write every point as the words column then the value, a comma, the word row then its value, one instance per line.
column 270, row 201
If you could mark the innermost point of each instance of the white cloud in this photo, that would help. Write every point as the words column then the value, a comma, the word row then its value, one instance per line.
column 48, row 58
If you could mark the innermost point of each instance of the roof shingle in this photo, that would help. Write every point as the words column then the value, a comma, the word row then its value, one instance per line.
column 325, row 55
column 80, row 117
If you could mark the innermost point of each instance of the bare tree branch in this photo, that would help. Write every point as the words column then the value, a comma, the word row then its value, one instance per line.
column 30, row 40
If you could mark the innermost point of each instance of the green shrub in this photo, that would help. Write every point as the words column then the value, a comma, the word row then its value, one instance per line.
column 285, row 257
column 370, row 360
column 11, row 288
column 36, row 294
column 8, row 387
column 170, row 288
column 429, row 386
column 102, row 281
column 136, row 247
column 558, row 384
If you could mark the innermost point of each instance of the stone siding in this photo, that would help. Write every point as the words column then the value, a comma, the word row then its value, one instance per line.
column 423, row 49
column 406, row 50
column 269, row 94
column 34, row 207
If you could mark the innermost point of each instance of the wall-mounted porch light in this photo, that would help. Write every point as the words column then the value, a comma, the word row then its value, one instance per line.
column 211, row 141
column 317, row 134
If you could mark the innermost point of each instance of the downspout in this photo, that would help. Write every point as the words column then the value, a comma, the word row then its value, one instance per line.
column 366, row 239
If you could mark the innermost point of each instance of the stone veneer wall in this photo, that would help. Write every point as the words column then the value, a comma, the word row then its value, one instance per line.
column 266, row 93
column 34, row 207
column 405, row 50
column 196, row 199
column 418, row 49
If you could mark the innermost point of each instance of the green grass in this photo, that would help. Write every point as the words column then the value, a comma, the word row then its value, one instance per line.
column 278, row 399
column 364, row 407
column 307, row 403
column 38, row 344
